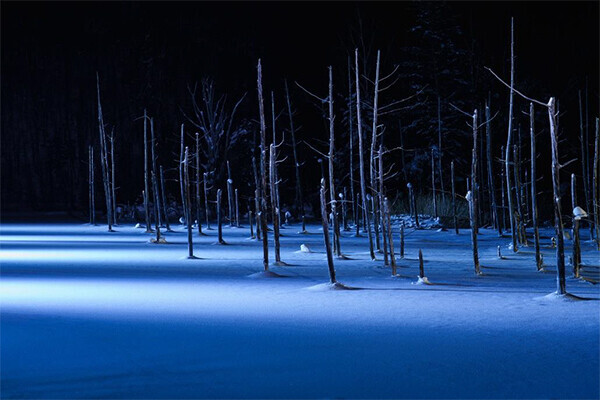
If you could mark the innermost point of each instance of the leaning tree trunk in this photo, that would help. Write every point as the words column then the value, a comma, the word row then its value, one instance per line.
column 274, row 208
column 263, row 170
column 473, row 200
column 164, row 199
column 596, row 209
column 511, row 212
column 104, row 159
column 299, row 198
column 363, row 185
column 156, row 208
column 453, row 198
column 325, row 225
column 187, row 202
column 335, row 220
column 558, row 226
column 372, row 159
column 198, row 184
column 534, row 210
column 92, row 196
column 112, row 178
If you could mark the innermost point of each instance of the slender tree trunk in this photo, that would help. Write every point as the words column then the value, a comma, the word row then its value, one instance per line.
column 325, row 225
column 503, row 193
column 576, row 257
column 490, row 165
column 181, row 171
column 390, row 236
column 336, row 224
column 187, row 202
column 206, row 208
column 596, row 209
column 112, row 179
column 155, row 172
column 250, row 223
column 275, row 209
column 229, row 196
column 299, row 197
column 198, row 207
column 257, row 212
column 351, row 146
column 404, row 174
column 402, row 240
column 372, row 162
column 421, row 269
column 534, row 210
column 473, row 200
column 413, row 202
column 92, row 194
column 219, row 219
column 237, row 209
column 146, row 183
column 519, row 209
column 156, row 209
column 455, row 218
column 164, row 199
column 384, row 232
column 511, row 212
column 344, row 208
column 263, row 168
column 103, row 158
column 433, row 193
column 560, row 243
column 363, row 191
column 584, row 163
column 440, row 146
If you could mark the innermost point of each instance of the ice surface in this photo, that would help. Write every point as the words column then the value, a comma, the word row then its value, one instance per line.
column 87, row 313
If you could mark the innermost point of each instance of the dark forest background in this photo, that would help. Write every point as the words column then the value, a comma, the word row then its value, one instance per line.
column 148, row 54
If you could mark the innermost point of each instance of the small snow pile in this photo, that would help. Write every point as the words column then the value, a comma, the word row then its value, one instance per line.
column 138, row 226
column 305, row 249
column 325, row 287
column 422, row 281
column 555, row 296
column 265, row 274
column 161, row 240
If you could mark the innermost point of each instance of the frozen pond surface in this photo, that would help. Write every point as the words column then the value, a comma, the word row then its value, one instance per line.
column 87, row 313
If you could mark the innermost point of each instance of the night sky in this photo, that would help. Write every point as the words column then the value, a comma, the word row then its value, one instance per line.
column 148, row 53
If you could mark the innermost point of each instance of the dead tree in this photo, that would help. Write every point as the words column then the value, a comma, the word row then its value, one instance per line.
column 413, row 202
column 473, row 198
column 390, row 236
column 519, row 202
column 219, row 219
column 325, row 225
column 104, row 159
column 181, row 169
column 350, row 147
column 335, row 220
column 503, row 192
column 91, row 181
column 299, row 198
column 440, row 147
column 402, row 240
column 576, row 258
column 596, row 210
column 158, row 238
column 146, row 183
column 229, row 196
column 206, row 209
column 435, row 209
column 263, row 170
column 237, row 210
column 164, row 199
column 252, row 235
column 511, row 211
column 112, row 177
column 257, row 213
column 198, row 184
column 534, row 209
column 372, row 163
column 363, row 190
column 455, row 218
column 382, row 205
column 274, row 207
column 342, row 197
column 584, row 162
column 154, row 171
column 491, row 185
column 421, row 269
column 187, row 203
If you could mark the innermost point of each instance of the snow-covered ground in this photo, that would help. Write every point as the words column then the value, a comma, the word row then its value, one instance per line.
column 87, row 313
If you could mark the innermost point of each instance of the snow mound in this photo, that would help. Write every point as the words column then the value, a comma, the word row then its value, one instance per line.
column 162, row 240
column 324, row 287
column 305, row 249
column 265, row 274
column 138, row 226
column 422, row 281
column 554, row 296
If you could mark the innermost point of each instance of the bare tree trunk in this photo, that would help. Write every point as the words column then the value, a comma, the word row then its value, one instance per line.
column 390, row 236
column 576, row 257
column 596, row 209
column 534, row 211
column 421, row 269
column 263, row 168
column 473, row 200
column 206, row 208
column 372, row 163
column 560, row 243
column 155, row 172
column 490, row 165
column 350, row 146
column 435, row 209
column 404, row 174
column 325, row 225
column 250, row 223
column 344, row 207
column 219, row 219
column 146, row 183
column 275, row 209
column 187, row 202
column 363, row 191
column 237, row 209
column 402, row 240
column 181, row 171
column 229, row 196
column 336, row 224
column 299, row 198
column 413, row 202
column 519, row 209
column 164, row 199
column 103, row 158
column 440, row 146
column 382, row 204
column 198, row 184
column 156, row 209
column 112, row 179
column 584, row 163
column 511, row 212
column 455, row 218
column 92, row 195
column 257, row 213
column 503, row 192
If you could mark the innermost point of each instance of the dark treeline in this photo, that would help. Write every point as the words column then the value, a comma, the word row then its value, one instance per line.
column 152, row 55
